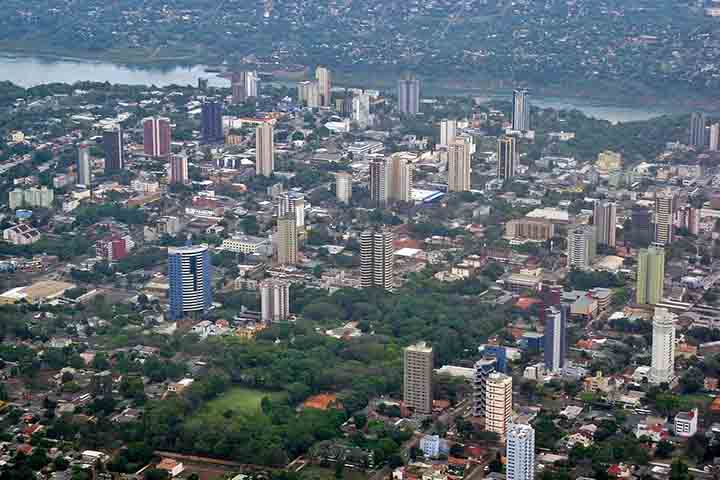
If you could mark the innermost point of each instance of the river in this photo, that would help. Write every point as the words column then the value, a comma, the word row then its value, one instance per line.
column 28, row 71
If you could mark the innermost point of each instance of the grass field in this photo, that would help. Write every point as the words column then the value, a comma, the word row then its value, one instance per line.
column 240, row 400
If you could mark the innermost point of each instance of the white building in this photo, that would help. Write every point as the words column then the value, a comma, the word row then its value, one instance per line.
column 520, row 452
column 686, row 423
column 433, row 446
column 248, row 245
column 581, row 246
column 662, row 368
column 361, row 110
column 448, row 131
column 275, row 300
column 343, row 187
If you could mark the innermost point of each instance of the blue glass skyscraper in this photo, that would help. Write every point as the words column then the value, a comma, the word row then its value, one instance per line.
column 190, row 278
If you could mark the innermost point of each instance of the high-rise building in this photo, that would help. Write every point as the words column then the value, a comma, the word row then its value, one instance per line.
column 377, row 259
column 641, row 230
column 238, row 86
column 605, row 220
column 691, row 220
column 459, row 165
column 507, row 158
column 409, row 95
column 190, row 279
column 156, row 136
column 498, row 403
column 274, row 300
column 179, row 169
column 361, row 110
column 662, row 367
column 211, row 125
column 113, row 145
column 555, row 337
column 664, row 213
column 483, row 368
column 581, row 246
column 650, row 275
column 401, row 178
column 521, row 110
column 448, row 131
column 292, row 203
column 714, row 144
column 417, row 384
column 697, row 131
column 309, row 94
column 264, row 150
column 32, row 197
column 379, row 182
column 322, row 75
column 287, row 241
column 84, row 172
column 251, row 85
column 520, row 452
column 343, row 187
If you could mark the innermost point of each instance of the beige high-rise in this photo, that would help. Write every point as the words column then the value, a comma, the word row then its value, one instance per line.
column 264, row 150
column 664, row 212
column 309, row 94
column 343, row 187
column 401, row 178
column 459, row 165
column 498, row 403
column 379, row 182
column 417, row 384
column 322, row 75
column 286, row 240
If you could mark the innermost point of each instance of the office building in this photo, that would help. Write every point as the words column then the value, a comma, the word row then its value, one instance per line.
column 377, row 257
column 292, row 203
column 555, row 336
column 520, row 452
column 361, row 110
column 662, row 367
column 401, row 178
column 179, row 169
column 498, row 403
column 417, row 384
column 641, row 229
column 409, row 95
column 287, row 241
column 664, row 214
column 274, row 300
column 83, row 168
column 156, row 137
column 190, row 279
column 343, row 187
column 697, row 131
column 650, row 276
column 581, row 246
column 322, row 75
column 113, row 145
column 379, row 182
column 521, row 110
column 244, row 85
column 448, row 131
column 483, row 368
column 714, row 144
column 211, row 125
column 459, row 165
column 605, row 220
column 309, row 94
column 507, row 158
column 264, row 150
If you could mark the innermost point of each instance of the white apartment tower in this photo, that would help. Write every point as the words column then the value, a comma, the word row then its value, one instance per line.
column 448, row 131
column 581, row 246
column 343, row 187
column 401, row 178
column 662, row 367
column 274, row 300
column 520, row 452
column 664, row 212
column 377, row 259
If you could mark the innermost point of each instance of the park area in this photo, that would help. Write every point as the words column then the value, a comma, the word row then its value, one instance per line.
column 239, row 400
